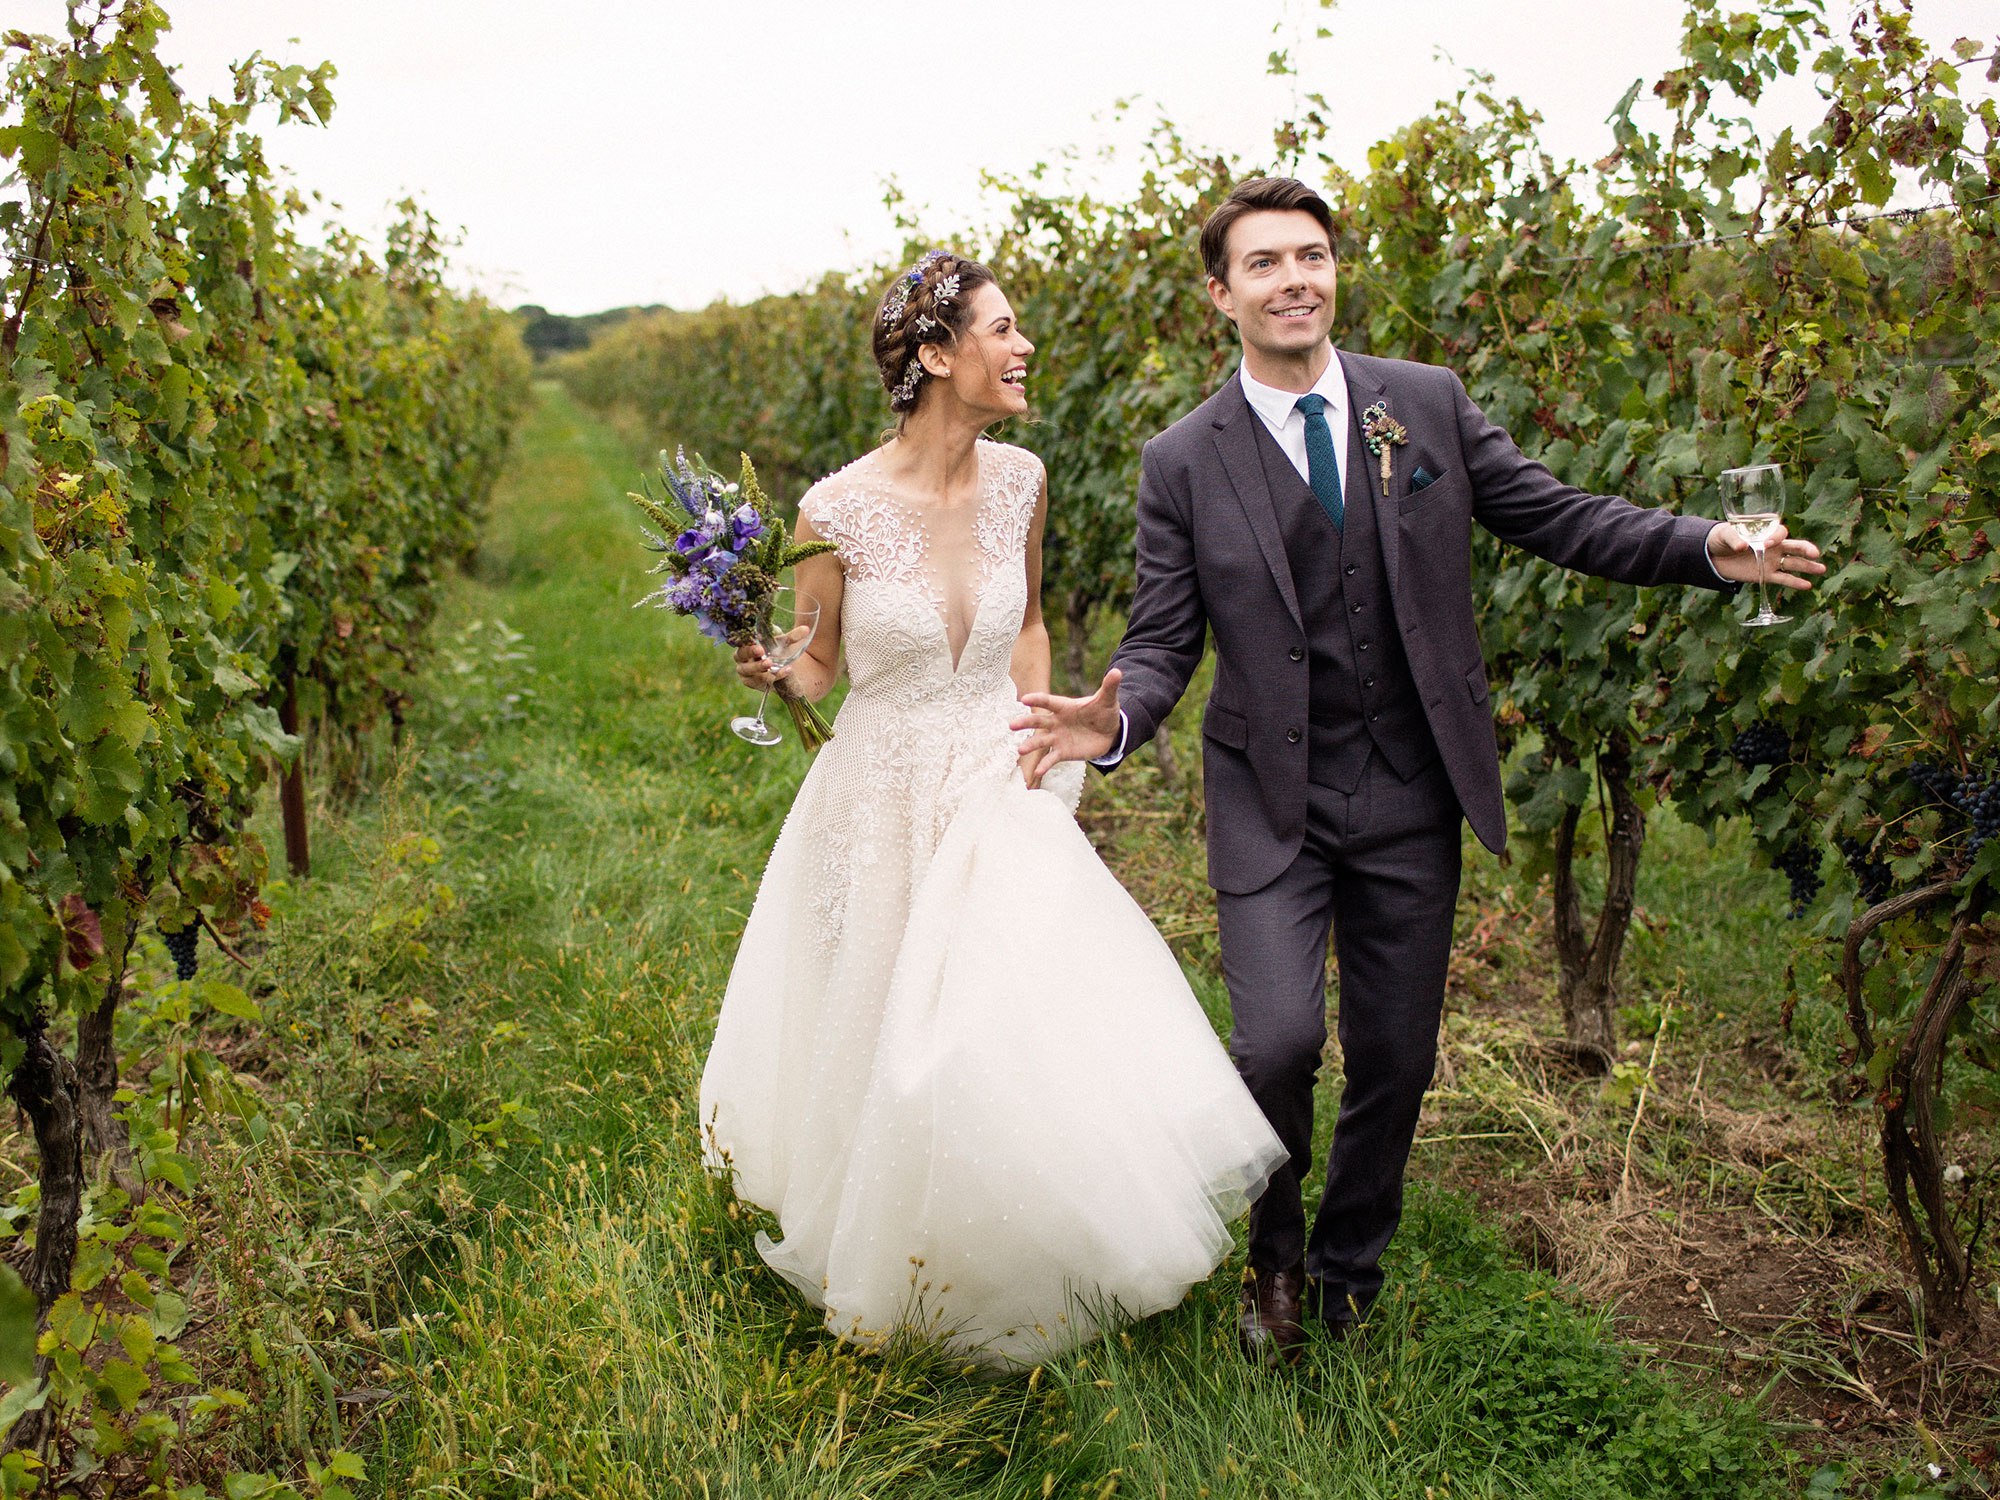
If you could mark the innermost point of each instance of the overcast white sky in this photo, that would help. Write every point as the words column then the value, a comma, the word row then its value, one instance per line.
column 602, row 152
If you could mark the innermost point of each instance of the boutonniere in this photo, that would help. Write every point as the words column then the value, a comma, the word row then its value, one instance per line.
column 1385, row 434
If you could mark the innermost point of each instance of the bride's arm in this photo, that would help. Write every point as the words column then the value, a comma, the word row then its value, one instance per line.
column 815, row 672
column 1030, row 668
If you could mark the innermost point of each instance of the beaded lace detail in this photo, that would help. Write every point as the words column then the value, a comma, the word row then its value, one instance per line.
column 931, row 606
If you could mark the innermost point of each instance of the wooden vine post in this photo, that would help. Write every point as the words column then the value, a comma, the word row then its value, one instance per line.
column 292, row 791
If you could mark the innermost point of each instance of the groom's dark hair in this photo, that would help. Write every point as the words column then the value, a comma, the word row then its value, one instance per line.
column 1252, row 195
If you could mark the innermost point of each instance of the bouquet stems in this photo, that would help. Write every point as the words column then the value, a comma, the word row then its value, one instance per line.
column 811, row 724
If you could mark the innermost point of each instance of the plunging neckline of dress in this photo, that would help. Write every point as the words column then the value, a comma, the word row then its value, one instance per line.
column 928, row 585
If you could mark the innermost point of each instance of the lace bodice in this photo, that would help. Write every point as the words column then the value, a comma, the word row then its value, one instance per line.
column 934, row 596
column 930, row 610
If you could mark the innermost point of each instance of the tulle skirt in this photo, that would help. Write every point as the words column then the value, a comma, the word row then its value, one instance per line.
column 985, row 1107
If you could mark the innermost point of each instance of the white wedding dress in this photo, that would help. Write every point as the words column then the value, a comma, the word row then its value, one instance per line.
column 955, row 1059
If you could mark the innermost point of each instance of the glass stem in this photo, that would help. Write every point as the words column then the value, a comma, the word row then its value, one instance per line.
column 1763, row 600
column 760, row 705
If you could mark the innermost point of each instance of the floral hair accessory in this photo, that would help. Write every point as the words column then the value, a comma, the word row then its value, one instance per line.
column 899, row 297
column 906, row 388
column 909, row 281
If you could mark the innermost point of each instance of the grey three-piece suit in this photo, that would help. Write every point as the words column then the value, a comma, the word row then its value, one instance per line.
column 1348, row 731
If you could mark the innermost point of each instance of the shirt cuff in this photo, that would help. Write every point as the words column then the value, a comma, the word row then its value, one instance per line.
column 1116, row 753
column 1711, row 557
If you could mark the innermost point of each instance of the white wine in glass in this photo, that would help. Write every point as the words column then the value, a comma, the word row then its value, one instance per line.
column 784, row 631
column 1753, row 500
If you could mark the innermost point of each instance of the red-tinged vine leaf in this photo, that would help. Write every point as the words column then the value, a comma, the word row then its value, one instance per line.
column 1870, row 741
column 83, row 932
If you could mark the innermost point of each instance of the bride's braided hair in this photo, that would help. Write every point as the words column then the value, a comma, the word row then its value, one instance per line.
column 928, row 304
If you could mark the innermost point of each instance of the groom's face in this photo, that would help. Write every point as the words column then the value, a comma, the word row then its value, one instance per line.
column 1279, row 290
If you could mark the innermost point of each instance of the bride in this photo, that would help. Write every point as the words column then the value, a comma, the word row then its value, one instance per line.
column 955, row 1060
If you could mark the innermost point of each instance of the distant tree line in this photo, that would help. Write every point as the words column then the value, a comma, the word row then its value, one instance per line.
column 545, row 333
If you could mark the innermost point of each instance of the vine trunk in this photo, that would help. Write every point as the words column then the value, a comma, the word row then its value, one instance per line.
column 1588, row 959
column 104, row 1134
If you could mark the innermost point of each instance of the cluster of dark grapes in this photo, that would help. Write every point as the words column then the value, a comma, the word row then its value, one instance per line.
column 1937, row 784
column 1975, row 797
column 1801, row 867
column 1872, row 875
column 1978, row 797
column 1762, row 744
column 182, row 946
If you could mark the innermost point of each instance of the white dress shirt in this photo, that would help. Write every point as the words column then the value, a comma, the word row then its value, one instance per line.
column 1285, row 422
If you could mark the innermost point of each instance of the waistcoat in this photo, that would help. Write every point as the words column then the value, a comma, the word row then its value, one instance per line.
column 1362, row 692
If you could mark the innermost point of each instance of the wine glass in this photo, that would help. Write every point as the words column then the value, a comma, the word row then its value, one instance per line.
column 1753, row 500
column 784, row 630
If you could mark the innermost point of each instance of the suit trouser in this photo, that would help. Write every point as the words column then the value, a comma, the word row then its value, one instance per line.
column 1381, row 865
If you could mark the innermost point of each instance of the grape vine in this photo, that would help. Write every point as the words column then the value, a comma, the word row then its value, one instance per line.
column 229, row 457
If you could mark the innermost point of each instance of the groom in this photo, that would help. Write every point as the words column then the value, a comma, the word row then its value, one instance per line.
column 1348, row 730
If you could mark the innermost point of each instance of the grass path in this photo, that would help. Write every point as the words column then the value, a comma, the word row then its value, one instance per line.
column 604, row 1327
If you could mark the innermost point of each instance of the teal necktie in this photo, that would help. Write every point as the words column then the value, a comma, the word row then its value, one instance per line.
column 1322, row 468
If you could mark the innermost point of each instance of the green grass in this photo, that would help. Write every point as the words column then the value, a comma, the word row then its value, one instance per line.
column 579, row 1309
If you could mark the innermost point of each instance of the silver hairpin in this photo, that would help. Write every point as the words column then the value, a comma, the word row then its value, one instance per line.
column 906, row 388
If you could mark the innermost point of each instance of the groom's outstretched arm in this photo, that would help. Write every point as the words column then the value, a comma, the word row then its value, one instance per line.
column 1168, row 627
column 1520, row 501
column 1162, row 644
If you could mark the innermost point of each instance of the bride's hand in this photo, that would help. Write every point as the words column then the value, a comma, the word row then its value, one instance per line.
column 754, row 667
column 1068, row 728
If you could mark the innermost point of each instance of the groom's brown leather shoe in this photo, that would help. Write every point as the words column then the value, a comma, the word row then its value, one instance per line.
column 1336, row 1312
column 1268, row 1325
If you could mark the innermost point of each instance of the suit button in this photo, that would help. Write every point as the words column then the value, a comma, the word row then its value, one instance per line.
column 1298, row 653
column 1357, row 609
column 1374, row 718
column 1348, row 570
column 1291, row 736
column 1363, row 646
column 1368, row 682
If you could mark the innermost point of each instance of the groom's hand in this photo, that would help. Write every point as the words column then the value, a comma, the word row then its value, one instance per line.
column 1787, row 559
column 1068, row 728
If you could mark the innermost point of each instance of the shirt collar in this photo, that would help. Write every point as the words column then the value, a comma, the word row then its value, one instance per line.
column 1276, row 407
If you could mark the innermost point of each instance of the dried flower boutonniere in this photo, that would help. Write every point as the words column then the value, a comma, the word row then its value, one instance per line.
column 1385, row 434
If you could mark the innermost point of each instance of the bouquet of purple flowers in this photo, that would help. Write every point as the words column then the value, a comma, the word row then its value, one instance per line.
column 721, row 551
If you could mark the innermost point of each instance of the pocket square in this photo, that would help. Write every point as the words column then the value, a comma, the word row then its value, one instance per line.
column 1421, row 479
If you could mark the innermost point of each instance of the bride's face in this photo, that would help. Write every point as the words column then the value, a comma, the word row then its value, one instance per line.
column 988, row 364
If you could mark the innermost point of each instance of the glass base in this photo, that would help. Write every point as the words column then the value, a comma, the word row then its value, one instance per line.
column 755, row 730
column 1765, row 617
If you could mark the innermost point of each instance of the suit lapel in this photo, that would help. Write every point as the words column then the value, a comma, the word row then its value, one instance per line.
column 1243, row 466
column 1360, row 488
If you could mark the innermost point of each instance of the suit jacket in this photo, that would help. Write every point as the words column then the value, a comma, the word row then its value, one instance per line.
column 1210, row 554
